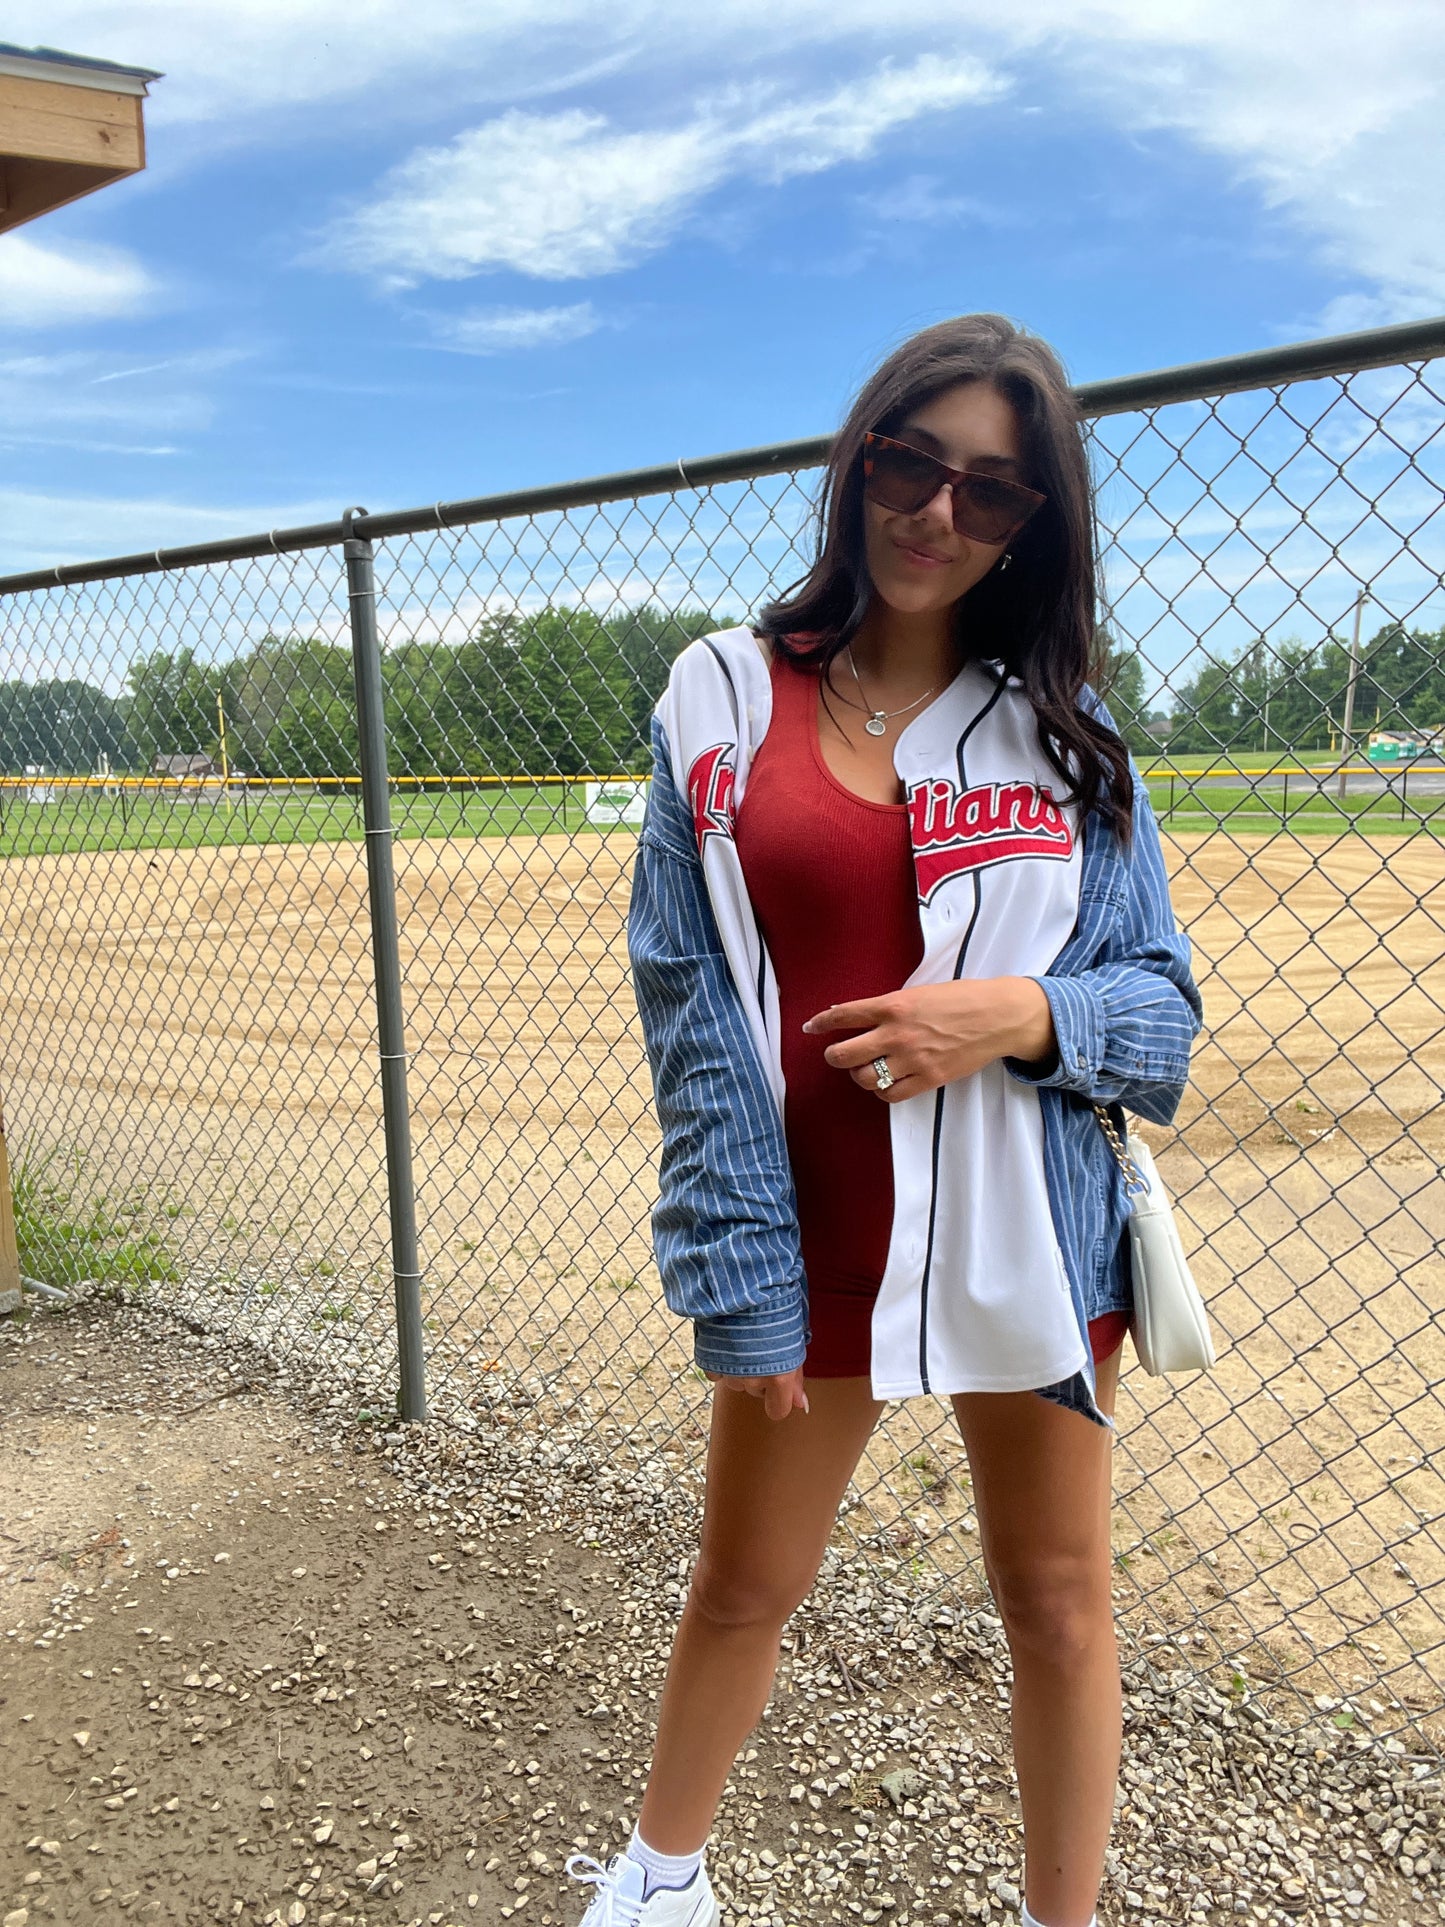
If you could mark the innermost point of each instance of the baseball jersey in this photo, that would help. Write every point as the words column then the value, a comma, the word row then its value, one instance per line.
column 976, row 1295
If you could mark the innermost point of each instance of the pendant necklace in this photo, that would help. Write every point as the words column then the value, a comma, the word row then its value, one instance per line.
column 879, row 719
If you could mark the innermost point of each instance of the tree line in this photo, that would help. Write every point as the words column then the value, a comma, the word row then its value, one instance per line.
column 1291, row 696
column 560, row 691
column 563, row 691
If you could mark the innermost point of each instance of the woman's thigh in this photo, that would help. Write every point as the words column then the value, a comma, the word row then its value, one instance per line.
column 1041, row 1480
column 773, row 1491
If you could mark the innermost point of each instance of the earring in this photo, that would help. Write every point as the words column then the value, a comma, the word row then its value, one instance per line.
column 1004, row 564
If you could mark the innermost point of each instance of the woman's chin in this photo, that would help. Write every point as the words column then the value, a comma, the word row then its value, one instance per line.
column 914, row 598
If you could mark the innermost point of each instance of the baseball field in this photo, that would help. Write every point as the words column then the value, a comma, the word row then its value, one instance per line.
column 95, row 815
column 190, row 1054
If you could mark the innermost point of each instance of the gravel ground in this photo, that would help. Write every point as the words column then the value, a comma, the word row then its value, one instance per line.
column 283, row 1663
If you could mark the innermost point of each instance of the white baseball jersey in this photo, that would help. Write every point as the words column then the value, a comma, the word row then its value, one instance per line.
column 975, row 1296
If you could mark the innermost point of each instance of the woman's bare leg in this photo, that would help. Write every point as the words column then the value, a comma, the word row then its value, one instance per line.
column 773, row 1491
column 1041, row 1483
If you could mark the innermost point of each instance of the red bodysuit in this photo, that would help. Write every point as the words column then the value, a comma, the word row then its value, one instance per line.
column 831, row 880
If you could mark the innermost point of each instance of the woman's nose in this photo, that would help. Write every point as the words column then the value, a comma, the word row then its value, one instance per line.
column 939, row 509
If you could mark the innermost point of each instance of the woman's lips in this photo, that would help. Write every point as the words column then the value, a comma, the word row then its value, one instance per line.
column 920, row 558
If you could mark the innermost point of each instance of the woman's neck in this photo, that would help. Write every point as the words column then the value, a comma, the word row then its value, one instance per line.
column 907, row 653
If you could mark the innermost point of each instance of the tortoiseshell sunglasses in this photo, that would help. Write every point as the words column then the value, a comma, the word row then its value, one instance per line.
column 985, row 507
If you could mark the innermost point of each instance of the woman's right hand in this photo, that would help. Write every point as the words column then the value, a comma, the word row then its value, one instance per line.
column 781, row 1393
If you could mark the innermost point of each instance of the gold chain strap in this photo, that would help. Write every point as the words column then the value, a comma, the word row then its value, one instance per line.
column 1134, row 1180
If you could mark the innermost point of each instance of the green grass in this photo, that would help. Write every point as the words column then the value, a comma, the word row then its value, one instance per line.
column 65, row 1235
column 1242, row 759
column 1249, row 760
column 1305, row 812
column 89, row 820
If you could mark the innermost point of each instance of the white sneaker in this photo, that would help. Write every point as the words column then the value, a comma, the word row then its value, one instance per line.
column 618, row 1901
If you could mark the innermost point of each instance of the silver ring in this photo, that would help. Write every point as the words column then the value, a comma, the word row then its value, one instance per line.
column 883, row 1074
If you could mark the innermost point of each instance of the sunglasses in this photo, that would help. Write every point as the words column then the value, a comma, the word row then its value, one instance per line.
column 985, row 507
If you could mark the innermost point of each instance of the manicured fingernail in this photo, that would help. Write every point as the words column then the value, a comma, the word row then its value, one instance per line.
column 806, row 1406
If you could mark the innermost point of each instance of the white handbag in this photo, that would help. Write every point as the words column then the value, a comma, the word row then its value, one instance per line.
column 1171, row 1327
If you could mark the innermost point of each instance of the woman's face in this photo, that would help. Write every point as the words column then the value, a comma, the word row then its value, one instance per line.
column 919, row 563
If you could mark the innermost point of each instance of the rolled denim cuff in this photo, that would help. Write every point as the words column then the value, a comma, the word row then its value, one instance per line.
column 757, row 1342
column 1078, row 1013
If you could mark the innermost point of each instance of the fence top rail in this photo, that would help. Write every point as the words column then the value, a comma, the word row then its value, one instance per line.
column 1192, row 381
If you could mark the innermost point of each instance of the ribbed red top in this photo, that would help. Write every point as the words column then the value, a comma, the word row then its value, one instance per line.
column 830, row 877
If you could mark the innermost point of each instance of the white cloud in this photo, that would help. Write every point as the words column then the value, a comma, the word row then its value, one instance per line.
column 922, row 200
column 565, row 195
column 1336, row 113
column 553, row 196
column 784, row 137
column 1330, row 110
column 41, row 529
column 94, row 401
column 78, row 444
column 1348, row 313
column 131, row 374
column 498, row 331
column 234, row 69
column 45, row 287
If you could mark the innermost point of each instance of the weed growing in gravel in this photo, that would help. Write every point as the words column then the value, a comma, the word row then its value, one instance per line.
column 65, row 1235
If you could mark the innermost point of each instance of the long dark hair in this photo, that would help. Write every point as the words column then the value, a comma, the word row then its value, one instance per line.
column 1036, row 617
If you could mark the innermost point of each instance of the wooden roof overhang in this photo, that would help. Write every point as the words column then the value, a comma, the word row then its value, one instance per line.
column 67, row 126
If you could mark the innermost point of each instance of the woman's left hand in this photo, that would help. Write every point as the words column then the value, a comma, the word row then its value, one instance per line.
column 932, row 1034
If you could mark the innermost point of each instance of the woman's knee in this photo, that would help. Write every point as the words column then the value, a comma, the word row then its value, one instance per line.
column 1056, row 1612
column 732, row 1595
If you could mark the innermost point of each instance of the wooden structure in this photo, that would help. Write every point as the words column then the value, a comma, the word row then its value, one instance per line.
column 67, row 126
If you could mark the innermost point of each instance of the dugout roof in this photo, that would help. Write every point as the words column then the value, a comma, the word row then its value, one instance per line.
column 68, row 125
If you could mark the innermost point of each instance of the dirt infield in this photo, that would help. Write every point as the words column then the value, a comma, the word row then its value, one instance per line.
column 193, row 1029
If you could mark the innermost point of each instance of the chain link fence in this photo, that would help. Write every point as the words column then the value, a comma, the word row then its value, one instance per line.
column 198, row 894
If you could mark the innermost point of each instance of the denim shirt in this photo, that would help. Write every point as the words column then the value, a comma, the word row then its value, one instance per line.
column 1125, row 1010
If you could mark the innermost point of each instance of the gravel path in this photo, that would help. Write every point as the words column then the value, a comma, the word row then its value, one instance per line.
column 262, row 1661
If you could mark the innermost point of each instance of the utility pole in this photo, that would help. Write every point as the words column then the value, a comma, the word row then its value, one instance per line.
column 1346, row 736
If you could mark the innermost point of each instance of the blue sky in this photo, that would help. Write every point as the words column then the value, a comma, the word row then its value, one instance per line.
column 390, row 256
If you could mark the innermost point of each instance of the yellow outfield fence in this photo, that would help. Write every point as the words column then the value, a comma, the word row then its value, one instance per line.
column 1152, row 773
column 236, row 782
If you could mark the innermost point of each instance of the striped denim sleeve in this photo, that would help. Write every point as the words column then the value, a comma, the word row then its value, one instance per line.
column 725, row 1224
column 1125, row 1025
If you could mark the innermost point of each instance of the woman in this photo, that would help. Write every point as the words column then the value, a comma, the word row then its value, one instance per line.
column 899, row 921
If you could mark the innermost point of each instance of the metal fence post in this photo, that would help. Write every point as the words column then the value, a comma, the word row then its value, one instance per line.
column 386, row 957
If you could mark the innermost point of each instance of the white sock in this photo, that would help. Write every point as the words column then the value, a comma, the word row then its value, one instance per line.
column 662, row 1869
column 1029, row 1921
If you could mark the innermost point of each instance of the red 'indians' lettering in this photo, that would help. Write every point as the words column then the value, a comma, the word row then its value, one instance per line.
column 710, row 791
column 955, row 831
